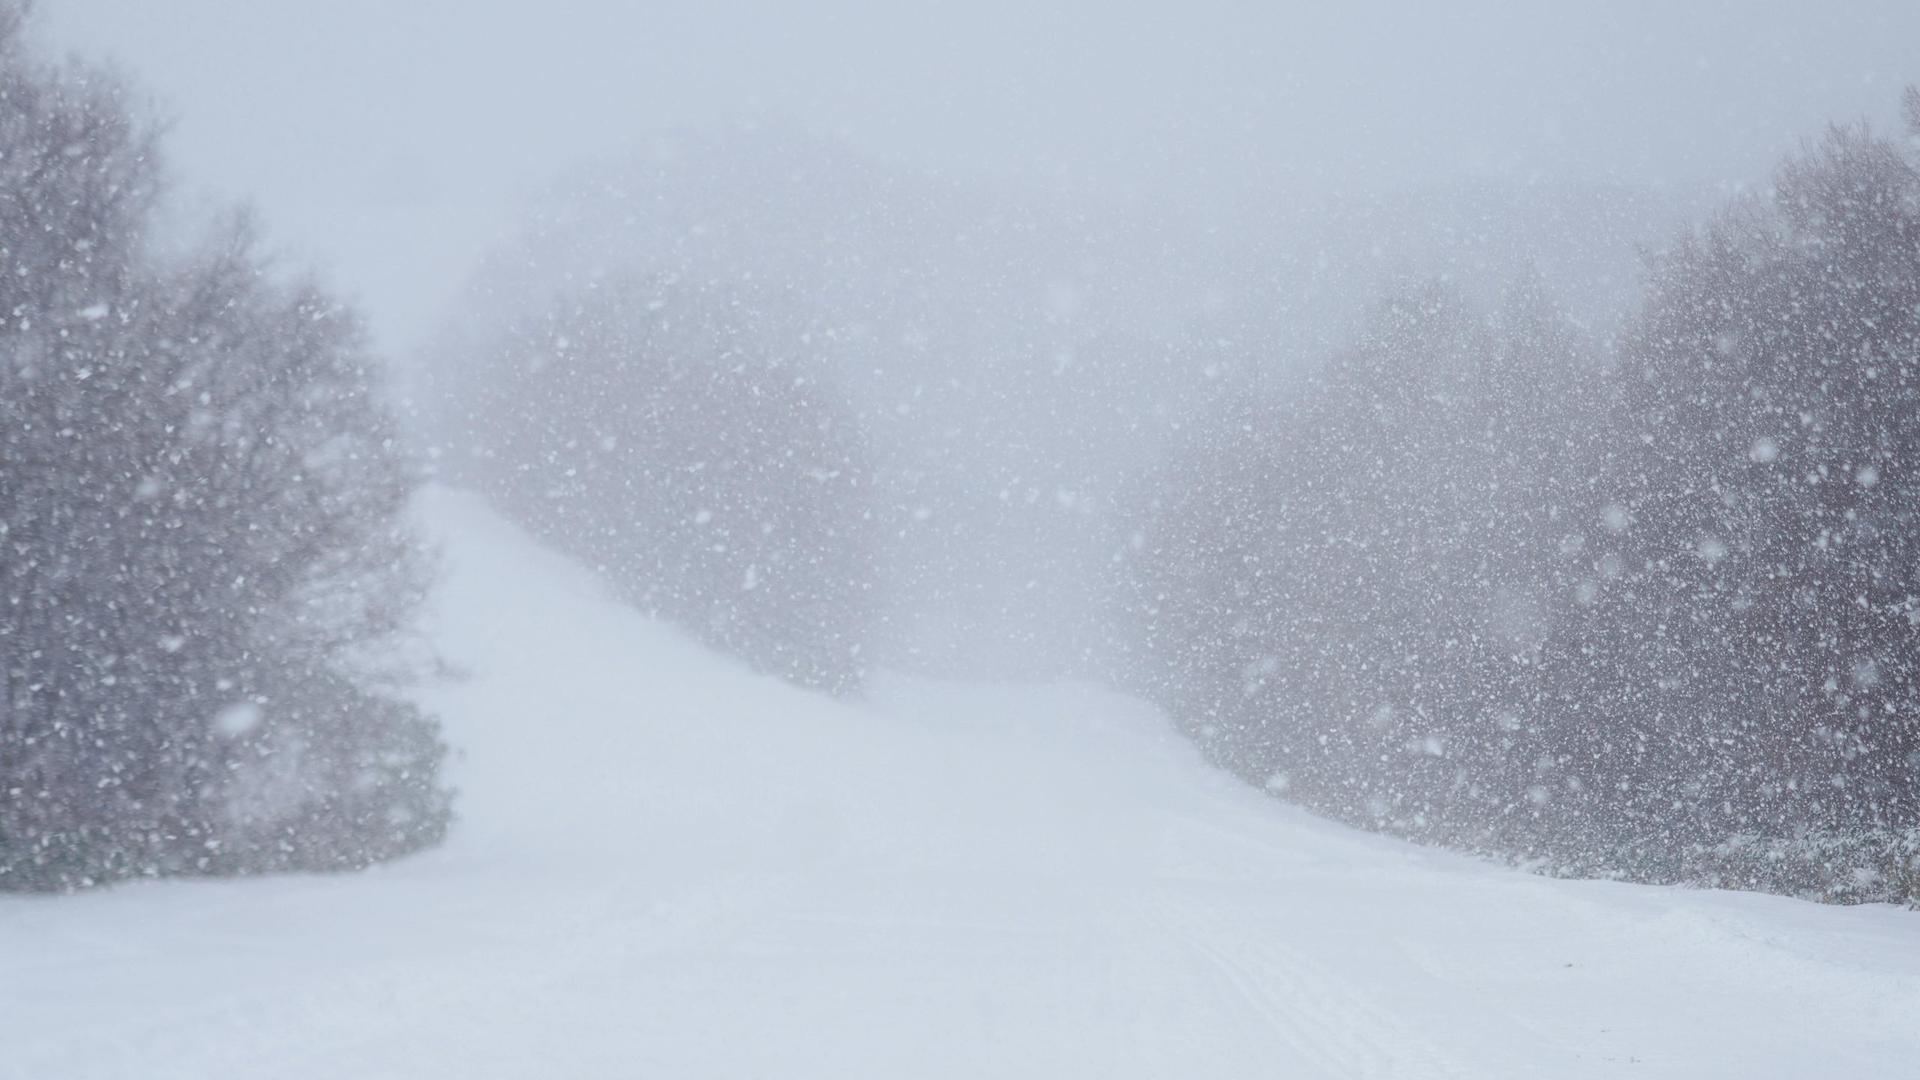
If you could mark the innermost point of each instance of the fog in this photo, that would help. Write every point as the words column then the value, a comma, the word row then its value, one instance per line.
column 394, row 140
column 1248, row 174
column 1029, row 276
column 959, row 539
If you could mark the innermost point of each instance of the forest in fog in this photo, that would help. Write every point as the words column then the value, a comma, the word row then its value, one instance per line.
column 1642, row 608
column 1571, row 523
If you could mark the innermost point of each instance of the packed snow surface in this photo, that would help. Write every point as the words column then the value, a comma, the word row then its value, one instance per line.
column 668, row 867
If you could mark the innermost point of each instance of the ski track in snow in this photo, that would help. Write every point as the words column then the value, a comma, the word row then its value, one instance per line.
column 667, row 867
column 1334, row 1026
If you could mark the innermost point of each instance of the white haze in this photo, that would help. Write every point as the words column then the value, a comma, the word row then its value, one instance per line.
column 984, row 538
column 393, row 139
column 1251, row 175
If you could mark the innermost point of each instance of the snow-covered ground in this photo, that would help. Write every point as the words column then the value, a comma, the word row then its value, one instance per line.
column 669, row 868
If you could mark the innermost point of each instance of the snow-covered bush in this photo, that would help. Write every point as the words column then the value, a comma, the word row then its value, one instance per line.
column 200, row 534
column 682, row 440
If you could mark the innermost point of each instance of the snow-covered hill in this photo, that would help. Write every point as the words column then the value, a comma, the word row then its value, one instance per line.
column 667, row 867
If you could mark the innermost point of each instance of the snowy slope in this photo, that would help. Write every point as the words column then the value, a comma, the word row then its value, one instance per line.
column 669, row 868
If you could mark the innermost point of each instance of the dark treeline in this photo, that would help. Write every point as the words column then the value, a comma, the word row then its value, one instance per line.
column 1646, row 611
column 201, row 541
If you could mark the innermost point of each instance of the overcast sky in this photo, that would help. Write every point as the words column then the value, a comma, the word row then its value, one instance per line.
column 390, row 140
